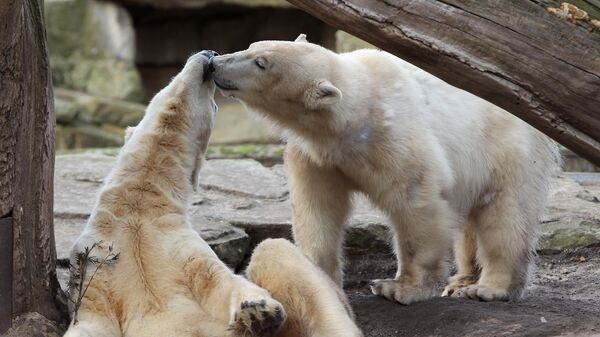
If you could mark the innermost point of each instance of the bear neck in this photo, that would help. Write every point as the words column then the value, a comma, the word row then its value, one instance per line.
column 163, row 156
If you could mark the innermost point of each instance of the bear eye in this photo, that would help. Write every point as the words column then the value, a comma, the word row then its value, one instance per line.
column 261, row 63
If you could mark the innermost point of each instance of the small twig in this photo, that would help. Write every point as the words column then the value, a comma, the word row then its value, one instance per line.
column 79, row 273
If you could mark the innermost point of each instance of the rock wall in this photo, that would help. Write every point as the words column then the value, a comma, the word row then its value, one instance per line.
column 92, row 48
column 167, row 37
column 108, row 55
column 242, row 202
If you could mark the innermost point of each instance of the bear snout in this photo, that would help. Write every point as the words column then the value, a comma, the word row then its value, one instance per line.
column 204, row 57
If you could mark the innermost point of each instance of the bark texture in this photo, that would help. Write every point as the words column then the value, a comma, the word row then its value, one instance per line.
column 27, row 157
column 543, row 69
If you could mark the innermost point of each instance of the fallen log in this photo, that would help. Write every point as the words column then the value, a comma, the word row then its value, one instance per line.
column 515, row 54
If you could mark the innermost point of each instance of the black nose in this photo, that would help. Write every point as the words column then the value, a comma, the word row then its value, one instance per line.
column 209, row 53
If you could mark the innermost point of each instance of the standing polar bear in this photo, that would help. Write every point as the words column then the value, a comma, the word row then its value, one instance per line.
column 440, row 162
column 167, row 281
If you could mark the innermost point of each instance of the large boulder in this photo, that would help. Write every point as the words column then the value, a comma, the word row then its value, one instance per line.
column 254, row 198
column 92, row 48
column 86, row 121
column 573, row 217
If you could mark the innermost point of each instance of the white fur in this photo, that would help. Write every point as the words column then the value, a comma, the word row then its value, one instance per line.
column 438, row 160
column 167, row 281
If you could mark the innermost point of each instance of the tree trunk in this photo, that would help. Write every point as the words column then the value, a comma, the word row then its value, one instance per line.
column 26, row 164
column 514, row 54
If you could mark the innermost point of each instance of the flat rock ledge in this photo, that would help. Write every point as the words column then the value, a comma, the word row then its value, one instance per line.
column 241, row 202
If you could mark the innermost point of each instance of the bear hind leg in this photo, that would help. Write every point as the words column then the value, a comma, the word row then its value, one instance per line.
column 505, row 240
column 422, row 241
column 465, row 256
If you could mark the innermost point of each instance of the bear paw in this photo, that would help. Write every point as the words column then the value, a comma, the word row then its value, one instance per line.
column 456, row 283
column 482, row 293
column 258, row 318
column 398, row 291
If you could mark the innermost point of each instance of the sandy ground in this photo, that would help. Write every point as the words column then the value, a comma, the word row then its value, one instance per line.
column 563, row 299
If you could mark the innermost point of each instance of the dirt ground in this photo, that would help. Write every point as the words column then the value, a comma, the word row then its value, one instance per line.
column 563, row 299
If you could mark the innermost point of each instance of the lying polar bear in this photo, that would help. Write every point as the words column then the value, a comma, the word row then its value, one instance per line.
column 431, row 156
column 167, row 281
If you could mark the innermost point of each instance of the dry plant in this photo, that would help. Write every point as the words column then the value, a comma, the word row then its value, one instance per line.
column 77, row 285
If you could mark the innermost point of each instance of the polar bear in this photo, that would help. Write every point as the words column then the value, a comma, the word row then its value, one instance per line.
column 167, row 282
column 440, row 162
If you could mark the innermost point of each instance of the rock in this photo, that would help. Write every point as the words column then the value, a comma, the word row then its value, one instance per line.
column 266, row 154
column 251, row 197
column 99, row 110
column 573, row 217
column 88, row 136
column 231, row 244
column 236, row 125
column 77, row 181
column 368, row 232
column 66, row 111
column 86, row 121
column 33, row 324
column 368, row 238
column 569, row 234
column 92, row 48
column 574, row 163
column 242, row 177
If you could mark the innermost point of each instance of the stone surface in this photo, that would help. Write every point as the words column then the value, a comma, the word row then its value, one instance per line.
column 254, row 198
column 97, row 110
column 573, row 217
column 245, row 177
column 87, row 121
column 574, row 163
column 92, row 48
column 235, row 125
column 88, row 136
column 231, row 244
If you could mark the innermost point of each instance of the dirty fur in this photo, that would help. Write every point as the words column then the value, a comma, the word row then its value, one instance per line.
column 447, row 167
column 167, row 281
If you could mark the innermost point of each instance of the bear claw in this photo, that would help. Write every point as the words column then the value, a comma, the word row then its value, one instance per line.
column 258, row 318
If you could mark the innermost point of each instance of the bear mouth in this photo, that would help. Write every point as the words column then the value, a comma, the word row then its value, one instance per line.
column 225, row 86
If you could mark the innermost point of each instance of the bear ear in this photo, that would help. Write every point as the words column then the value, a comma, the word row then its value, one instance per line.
column 321, row 94
column 301, row 38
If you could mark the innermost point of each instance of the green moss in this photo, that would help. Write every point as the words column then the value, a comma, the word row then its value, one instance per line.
column 255, row 151
column 271, row 153
column 570, row 238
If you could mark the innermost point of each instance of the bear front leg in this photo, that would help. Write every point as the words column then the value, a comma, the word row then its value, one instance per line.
column 246, row 308
column 422, row 240
column 321, row 203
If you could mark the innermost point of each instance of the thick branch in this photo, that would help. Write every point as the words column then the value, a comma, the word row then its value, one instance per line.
column 512, row 53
